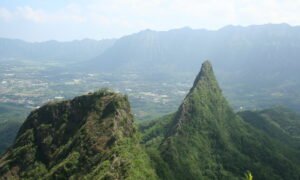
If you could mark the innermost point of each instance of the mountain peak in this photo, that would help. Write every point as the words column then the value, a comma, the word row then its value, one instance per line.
column 89, row 137
column 206, row 73
column 204, row 104
column 205, row 138
column 206, row 82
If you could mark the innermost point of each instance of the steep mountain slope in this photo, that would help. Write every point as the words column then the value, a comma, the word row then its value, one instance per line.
column 89, row 137
column 72, row 51
column 278, row 122
column 11, row 118
column 205, row 139
column 8, row 132
column 258, row 62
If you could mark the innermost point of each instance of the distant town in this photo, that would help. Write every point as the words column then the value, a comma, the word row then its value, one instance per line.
column 32, row 85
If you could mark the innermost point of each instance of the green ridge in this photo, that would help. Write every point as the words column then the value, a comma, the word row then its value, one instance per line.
column 89, row 137
column 278, row 122
column 205, row 139
column 93, row 137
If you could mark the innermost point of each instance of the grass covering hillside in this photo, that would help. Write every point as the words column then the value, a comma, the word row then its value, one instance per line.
column 205, row 139
column 94, row 137
column 89, row 137
column 278, row 122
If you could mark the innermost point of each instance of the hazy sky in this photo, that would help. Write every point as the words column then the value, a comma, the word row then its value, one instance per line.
column 39, row 20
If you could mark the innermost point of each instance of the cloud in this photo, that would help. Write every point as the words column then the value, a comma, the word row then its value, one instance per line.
column 70, row 14
column 29, row 14
column 5, row 15
column 114, row 18
column 74, row 8
column 242, row 12
column 210, row 14
column 128, row 13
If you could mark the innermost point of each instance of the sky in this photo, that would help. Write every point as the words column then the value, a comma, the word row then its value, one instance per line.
column 65, row 20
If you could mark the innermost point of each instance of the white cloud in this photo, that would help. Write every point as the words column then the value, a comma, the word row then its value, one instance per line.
column 128, row 13
column 243, row 12
column 70, row 14
column 75, row 8
column 129, row 6
column 98, row 18
column 210, row 14
column 5, row 14
column 114, row 18
column 28, row 13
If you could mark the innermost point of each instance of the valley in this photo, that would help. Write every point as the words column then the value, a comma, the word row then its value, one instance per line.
column 94, row 136
column 149, row 90
column 30, row 85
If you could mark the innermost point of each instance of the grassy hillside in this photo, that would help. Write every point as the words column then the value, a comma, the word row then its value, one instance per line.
column 278, row 122
column 205, row 139
column 89, row 137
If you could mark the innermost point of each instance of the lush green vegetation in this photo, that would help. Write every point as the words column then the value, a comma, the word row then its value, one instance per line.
column 284, row 118
column 205, row 139
column 11, row 118
column 8, row 131
column 249, row 176
column 278, row 122
column 94, row 137
column 91, row 136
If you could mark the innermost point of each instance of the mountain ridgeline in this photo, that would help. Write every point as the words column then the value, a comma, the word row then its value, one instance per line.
column 278, row 122
column 260, row 62
column 89, row 137
column 94, row 137
column 257, row 62
column 205, row 139
column 66, row 52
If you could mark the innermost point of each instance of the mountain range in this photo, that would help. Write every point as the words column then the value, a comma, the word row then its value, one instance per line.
column 66, row 52
column 258, row 62
column 94, row 136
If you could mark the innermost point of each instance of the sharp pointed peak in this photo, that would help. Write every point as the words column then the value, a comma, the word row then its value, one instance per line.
column 206, row 67
column 206, row 73
column 203, row 104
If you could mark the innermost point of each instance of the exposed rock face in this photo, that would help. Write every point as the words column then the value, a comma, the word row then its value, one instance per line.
column 84, row 137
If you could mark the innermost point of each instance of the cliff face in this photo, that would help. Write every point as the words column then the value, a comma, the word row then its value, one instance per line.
column 90, row 136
